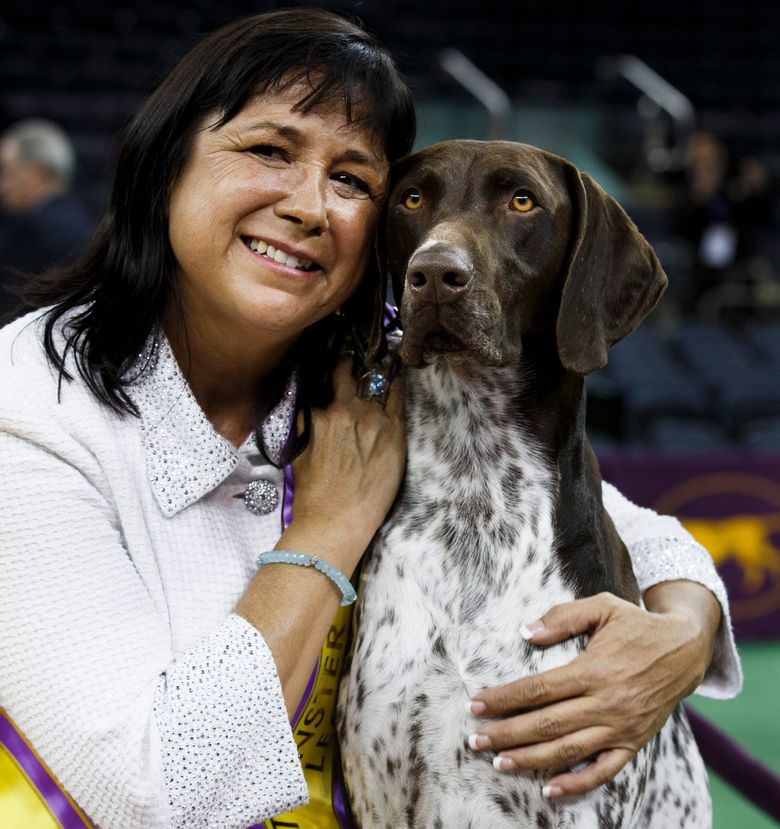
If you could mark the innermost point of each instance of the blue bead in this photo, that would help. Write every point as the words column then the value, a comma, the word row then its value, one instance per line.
column 377, row 384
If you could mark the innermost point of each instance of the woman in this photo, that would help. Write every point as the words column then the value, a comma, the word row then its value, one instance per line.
column 145, row 420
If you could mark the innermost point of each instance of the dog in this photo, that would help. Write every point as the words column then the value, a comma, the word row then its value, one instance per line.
column 517, row 274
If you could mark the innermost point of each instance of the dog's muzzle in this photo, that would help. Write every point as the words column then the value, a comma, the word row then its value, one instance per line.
column 437, row 277
column 438, row 274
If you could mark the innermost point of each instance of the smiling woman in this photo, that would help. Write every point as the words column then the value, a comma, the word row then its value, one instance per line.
column 315, row 72
column 271, row 225
column 145, row 659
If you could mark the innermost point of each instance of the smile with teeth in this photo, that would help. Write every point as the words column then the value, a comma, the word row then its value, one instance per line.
column 270, row 252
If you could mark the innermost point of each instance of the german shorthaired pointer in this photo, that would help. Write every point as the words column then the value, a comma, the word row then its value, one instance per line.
column 518, row 274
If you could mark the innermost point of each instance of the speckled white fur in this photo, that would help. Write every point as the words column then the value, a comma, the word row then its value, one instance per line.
column 442, row 601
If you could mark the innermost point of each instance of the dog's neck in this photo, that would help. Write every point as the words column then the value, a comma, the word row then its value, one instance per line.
column 533, row 412
column 536, row 396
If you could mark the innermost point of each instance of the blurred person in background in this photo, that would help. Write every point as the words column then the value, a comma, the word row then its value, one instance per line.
column 43, row 223
column 724, row 201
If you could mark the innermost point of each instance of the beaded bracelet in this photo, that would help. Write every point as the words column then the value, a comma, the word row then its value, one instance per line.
column 336, row 576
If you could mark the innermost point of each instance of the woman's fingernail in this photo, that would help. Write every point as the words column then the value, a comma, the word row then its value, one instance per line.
column 476, row 707
column 551, row 791
column 529, row 631
column 503, row 763
column 479, row 742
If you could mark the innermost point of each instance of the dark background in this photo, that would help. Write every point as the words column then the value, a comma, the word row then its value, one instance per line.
column 689, row 380
column 88, row 65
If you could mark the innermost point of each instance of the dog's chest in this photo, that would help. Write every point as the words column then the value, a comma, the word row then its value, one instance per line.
column 466, row 558
column 472, row 535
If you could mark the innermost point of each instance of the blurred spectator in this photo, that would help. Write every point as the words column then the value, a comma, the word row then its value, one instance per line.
column 724, row 201
column 42, row 223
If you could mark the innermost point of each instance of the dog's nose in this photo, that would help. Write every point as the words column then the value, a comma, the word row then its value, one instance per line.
column 438, row 274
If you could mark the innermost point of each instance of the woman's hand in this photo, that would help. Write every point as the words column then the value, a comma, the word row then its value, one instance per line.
column 614, row 697
column 349, row 474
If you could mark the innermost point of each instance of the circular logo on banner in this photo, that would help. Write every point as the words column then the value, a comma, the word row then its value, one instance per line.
column 736, row 516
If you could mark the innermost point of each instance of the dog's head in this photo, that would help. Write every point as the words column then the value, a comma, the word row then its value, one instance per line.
column 491, row 242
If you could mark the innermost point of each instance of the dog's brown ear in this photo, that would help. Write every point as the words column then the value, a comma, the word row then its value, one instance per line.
column 392, row 278
column 613, row 280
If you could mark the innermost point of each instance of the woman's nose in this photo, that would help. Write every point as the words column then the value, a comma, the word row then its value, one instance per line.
column 305, row 202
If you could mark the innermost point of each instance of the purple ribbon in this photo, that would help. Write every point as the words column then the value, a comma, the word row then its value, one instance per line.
column 287, row 501
column 40, row 777
column 339, row 797
column 390, row 318
column 306, row 694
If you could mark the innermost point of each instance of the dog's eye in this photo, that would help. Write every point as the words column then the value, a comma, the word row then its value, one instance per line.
column 522, row 202
column 412, row 200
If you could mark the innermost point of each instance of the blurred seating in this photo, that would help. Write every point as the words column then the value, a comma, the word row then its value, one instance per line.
column 765, row 338
column 703, row 387
column 652, row 384
column 741, row 387
column 685, row 436
column 762, row 436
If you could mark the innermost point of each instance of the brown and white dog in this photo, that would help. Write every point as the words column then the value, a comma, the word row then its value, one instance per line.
column 518, row 274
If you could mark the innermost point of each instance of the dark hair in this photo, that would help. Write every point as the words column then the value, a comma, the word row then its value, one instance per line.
column 127, row 278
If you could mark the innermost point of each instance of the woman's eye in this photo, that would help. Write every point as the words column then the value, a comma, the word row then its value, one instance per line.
column 269, row 151
column 412, row 200
column 353, row 182
column 522, row 202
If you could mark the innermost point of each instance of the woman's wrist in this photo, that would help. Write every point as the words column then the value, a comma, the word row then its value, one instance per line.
column 687, row 597
column 309, row 599
column 339, row 542
column 696, row 606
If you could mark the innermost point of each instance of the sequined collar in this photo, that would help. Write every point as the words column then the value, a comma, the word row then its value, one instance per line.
column 185, row 457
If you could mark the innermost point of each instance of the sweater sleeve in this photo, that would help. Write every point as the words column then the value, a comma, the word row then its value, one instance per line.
column 139, row 738
column 661, row 549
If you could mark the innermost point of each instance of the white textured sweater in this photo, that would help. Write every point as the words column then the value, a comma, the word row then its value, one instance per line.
column 123, row 550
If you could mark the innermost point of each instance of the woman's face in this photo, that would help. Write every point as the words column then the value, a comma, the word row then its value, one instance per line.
column 272, row 218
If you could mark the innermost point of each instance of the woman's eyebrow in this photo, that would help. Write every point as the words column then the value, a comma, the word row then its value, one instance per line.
column 285, row 131
column 350, row 156
column 358, row 157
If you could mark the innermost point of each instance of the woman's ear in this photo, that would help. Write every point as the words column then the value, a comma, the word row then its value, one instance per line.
column 612, row 282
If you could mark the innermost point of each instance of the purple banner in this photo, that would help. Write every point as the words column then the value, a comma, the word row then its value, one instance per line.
column 731, row 504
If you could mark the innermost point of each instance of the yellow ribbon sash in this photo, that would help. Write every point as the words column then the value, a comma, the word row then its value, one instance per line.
column 314, row 728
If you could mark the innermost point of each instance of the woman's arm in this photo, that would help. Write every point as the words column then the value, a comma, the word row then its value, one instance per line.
column 662, row 551
column 638, row 664
column 345, row 483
